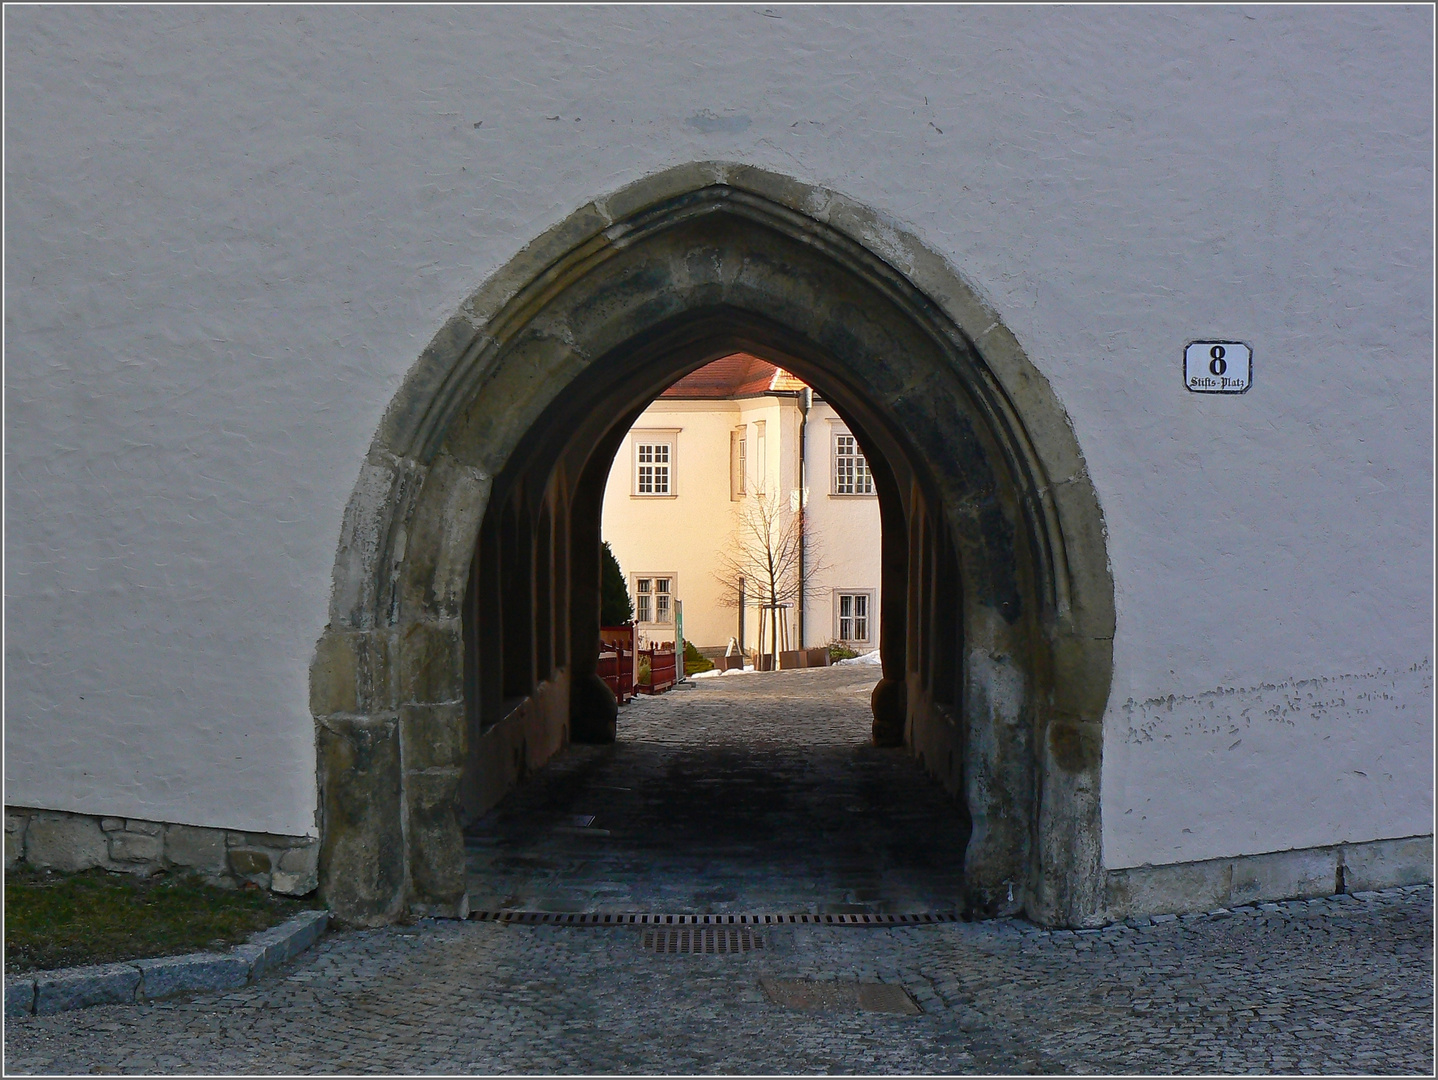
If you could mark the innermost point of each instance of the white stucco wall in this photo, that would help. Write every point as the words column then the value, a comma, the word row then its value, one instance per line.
column 851, row 539
column 230, row 231
column 680, row 535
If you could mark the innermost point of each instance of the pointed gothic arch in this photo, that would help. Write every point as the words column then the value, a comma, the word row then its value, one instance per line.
column 462, row 638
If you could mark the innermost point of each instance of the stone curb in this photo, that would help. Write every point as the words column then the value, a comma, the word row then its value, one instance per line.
column 46, row 992
column 1336, row 904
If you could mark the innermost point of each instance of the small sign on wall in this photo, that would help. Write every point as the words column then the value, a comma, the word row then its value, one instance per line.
column 1217, row 367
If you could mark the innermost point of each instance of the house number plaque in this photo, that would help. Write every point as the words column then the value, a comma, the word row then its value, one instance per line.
column 1217, row 367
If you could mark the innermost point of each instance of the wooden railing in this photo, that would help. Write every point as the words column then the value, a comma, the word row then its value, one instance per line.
column 663, row 669
column 617, row 661
column 622, row 668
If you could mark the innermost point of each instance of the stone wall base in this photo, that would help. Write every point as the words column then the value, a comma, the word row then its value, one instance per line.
column 1279, row 875
column 58, row 840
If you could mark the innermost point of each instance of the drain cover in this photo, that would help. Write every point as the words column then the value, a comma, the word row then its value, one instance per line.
column 701, row 939
column 815, row 996
column 629, row 918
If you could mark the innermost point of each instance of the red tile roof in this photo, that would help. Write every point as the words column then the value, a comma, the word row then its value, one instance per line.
column 735, row 376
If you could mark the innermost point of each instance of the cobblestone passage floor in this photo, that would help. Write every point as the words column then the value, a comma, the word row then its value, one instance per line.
column 1334, row 985
column 753, row 792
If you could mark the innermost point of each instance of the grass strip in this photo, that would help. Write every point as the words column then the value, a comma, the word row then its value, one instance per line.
column 97, row 917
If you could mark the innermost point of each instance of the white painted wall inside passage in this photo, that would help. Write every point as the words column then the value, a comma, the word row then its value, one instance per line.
column 850, row 538
column 231, row 230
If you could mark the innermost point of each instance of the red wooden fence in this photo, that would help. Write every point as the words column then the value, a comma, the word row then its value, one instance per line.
column 662, row 669
column 617, row 660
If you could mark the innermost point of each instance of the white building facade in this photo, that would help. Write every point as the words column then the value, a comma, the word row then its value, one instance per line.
column 231, row 232
column 739, row 438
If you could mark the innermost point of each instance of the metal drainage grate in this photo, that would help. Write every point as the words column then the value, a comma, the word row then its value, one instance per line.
column 596, row 918
column 701, row 939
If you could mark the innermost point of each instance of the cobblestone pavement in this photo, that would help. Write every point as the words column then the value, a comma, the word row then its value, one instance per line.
column 1334, row 985
column 752, row 792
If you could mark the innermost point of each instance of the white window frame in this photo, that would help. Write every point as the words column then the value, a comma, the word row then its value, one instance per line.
column 761, row 456
column 862, row 480
column 738, row 462
column 642, row 599
column 640, row 439
column 868, row 617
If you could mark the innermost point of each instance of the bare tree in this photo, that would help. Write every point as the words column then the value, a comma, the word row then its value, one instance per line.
column 761, row 566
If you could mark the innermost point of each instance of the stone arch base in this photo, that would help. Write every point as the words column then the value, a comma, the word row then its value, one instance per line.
column 463, row 628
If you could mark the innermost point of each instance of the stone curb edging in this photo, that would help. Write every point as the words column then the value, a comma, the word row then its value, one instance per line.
column 46, row 992
column 1336, row 904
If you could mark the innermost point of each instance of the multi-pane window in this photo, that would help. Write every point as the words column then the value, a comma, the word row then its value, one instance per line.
column 652, row 465
column 738, row 463
column 652, row 599
column 851, row 471
column 853, row 616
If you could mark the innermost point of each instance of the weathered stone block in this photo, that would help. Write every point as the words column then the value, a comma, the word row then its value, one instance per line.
column 440, row 547
column 76, row 988
column 362, row 861
column 351, row 674
column 1142, row 890
column 1086, row 550
column 432, row 736
column 1083, row 669
column 196, row 848
column 436, row 844
column 301, row 859
column 1076, row 747
column 654, row 189
column 334, row 675
column 294, row 884
column 535, row 362
column 248, row 862
column 403, row 422
column 271, row 840
column 19, row 995
column 1282, row 875
column 191, row 973
column 297, row 872
column 775, row 187
column 65, row 842
column 145, row 828
column 112, row 824
column 1049, row 429
column 136, row 848
column 15, row 826
column 431, row 663
column 1384, row 864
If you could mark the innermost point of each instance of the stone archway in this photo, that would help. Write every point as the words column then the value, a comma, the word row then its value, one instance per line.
column 478, row 507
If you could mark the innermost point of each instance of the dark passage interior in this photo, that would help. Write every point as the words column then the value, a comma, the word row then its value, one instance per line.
column 712, row 788
column 754, row 792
